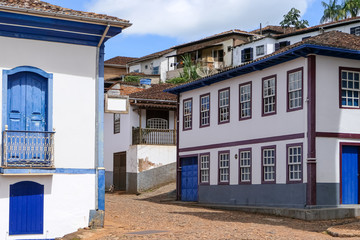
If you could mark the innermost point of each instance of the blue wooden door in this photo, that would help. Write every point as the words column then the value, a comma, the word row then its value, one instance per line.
column 27, row 102
column 26, row 208
column 189, row 179
column 350, row 175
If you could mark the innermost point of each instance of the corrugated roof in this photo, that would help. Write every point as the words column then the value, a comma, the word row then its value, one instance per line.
column 119, row 60
column 156, row 93
column 44, row 7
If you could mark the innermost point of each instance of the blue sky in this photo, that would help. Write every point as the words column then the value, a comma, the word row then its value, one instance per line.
column 166, row 23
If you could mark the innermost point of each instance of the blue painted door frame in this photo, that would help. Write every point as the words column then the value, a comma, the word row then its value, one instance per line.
column 350, row 175
column 26, row 208
column 189, row 179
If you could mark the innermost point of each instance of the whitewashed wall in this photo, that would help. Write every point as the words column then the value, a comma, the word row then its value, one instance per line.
column 66, row 205
column 73, row 69
column 283, row 123
column 268, row 48
column 135, row 68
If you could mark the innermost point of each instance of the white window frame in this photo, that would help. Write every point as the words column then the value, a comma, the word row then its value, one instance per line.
column 295, row 94
column 294, row 161
column 116, row 123
column 269, row 95
column 224, row 105
column 224, row 167
column 260, row 50
column 157, row 123
column 245, row 166
column 350, row 88
column 187, row 114
column 245, row 100
column 268, row 163
column 205, row 110
column 205, row 168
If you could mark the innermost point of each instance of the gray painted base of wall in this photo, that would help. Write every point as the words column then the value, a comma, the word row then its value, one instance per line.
column 156, row 177
column 138, row 182
column 272, row 195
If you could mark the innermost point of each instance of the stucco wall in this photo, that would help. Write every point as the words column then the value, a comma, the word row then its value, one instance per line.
column 67, row 200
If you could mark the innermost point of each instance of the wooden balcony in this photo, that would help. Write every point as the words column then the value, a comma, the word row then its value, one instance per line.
column 28, row 149
column 153, row 136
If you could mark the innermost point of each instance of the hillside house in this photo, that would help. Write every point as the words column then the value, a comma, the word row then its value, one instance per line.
column 140, row 143
column 51, row 173
column 276, row 37
column 116, row 66
column 281, row 130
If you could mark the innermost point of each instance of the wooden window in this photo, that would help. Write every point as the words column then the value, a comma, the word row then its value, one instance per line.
column 224, row 105
column 205, row 110
column 224, row 167
column 260, row 50
column 294, row 163
column 245, row 165
column 269, row 95
column 187, row 114
column 205, row 168
column 245, row 101
column 116, row 123
column 355, row 31
column 295, row 89
column 268, row 164
column 350, row 88
column 247, row 55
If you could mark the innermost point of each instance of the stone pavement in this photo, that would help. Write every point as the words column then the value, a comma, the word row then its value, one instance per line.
column 152, row 215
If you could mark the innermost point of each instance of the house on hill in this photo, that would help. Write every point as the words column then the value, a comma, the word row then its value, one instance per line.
column 140, row 142
column 286, row 128
column 116, row 66
column 52, row 177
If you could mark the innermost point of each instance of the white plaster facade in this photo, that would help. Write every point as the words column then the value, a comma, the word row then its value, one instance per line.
column 68, row 198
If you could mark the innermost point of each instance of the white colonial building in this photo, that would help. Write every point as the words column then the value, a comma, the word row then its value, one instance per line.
column 278, row 131
column 51, row 173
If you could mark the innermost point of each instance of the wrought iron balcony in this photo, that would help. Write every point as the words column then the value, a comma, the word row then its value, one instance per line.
column 153, row 136
column 28, row 149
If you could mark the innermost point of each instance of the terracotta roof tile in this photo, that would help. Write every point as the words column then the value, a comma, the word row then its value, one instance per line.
column 153, row 55
column 156, row 93
column 120, row 60
column 276, row 29
column 45, row 7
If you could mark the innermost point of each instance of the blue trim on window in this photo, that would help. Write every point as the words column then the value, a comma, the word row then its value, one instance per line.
column 49, row 76
column 47, row 171
column 300, row 51
column 55, row 30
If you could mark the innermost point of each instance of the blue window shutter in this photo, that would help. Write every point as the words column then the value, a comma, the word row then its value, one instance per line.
column 287, row 43
column 242, row 55
column 277, row 46
column 352, row 30
column 251, row 54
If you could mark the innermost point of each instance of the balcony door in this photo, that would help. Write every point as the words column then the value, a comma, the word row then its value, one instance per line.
column 27, row 102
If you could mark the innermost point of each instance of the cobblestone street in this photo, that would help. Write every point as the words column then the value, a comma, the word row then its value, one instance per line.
column 152, row 215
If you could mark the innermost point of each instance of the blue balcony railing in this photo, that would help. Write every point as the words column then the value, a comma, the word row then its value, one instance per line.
column 28, row 149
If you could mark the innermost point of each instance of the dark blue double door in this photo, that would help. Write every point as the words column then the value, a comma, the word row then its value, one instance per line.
column 350, row 175
column 189, row 179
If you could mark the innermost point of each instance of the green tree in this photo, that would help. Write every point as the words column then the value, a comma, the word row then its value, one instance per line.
column 132, row 78
column 291, row 19
column 177, row 80
column 332, row 11
column 351, row 8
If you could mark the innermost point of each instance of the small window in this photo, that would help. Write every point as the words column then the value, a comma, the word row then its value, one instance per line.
column 224, row 167
column 116, row 123
column 155, row 70
column 245, row 165
column 205, row 168
column 268, row 165
column 157, row 123
column 247, row 55
column 205, row 110
column 350, row 88
column 269, row 95
column 260, row 50
column 187, row 114
column 294, row 162
column 224, row 105
column 355, row 31
column 282, row 44
column 146, row 67
column 295, row 92
column 245, row 100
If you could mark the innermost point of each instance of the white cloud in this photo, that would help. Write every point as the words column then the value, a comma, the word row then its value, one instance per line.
column 193, row 19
